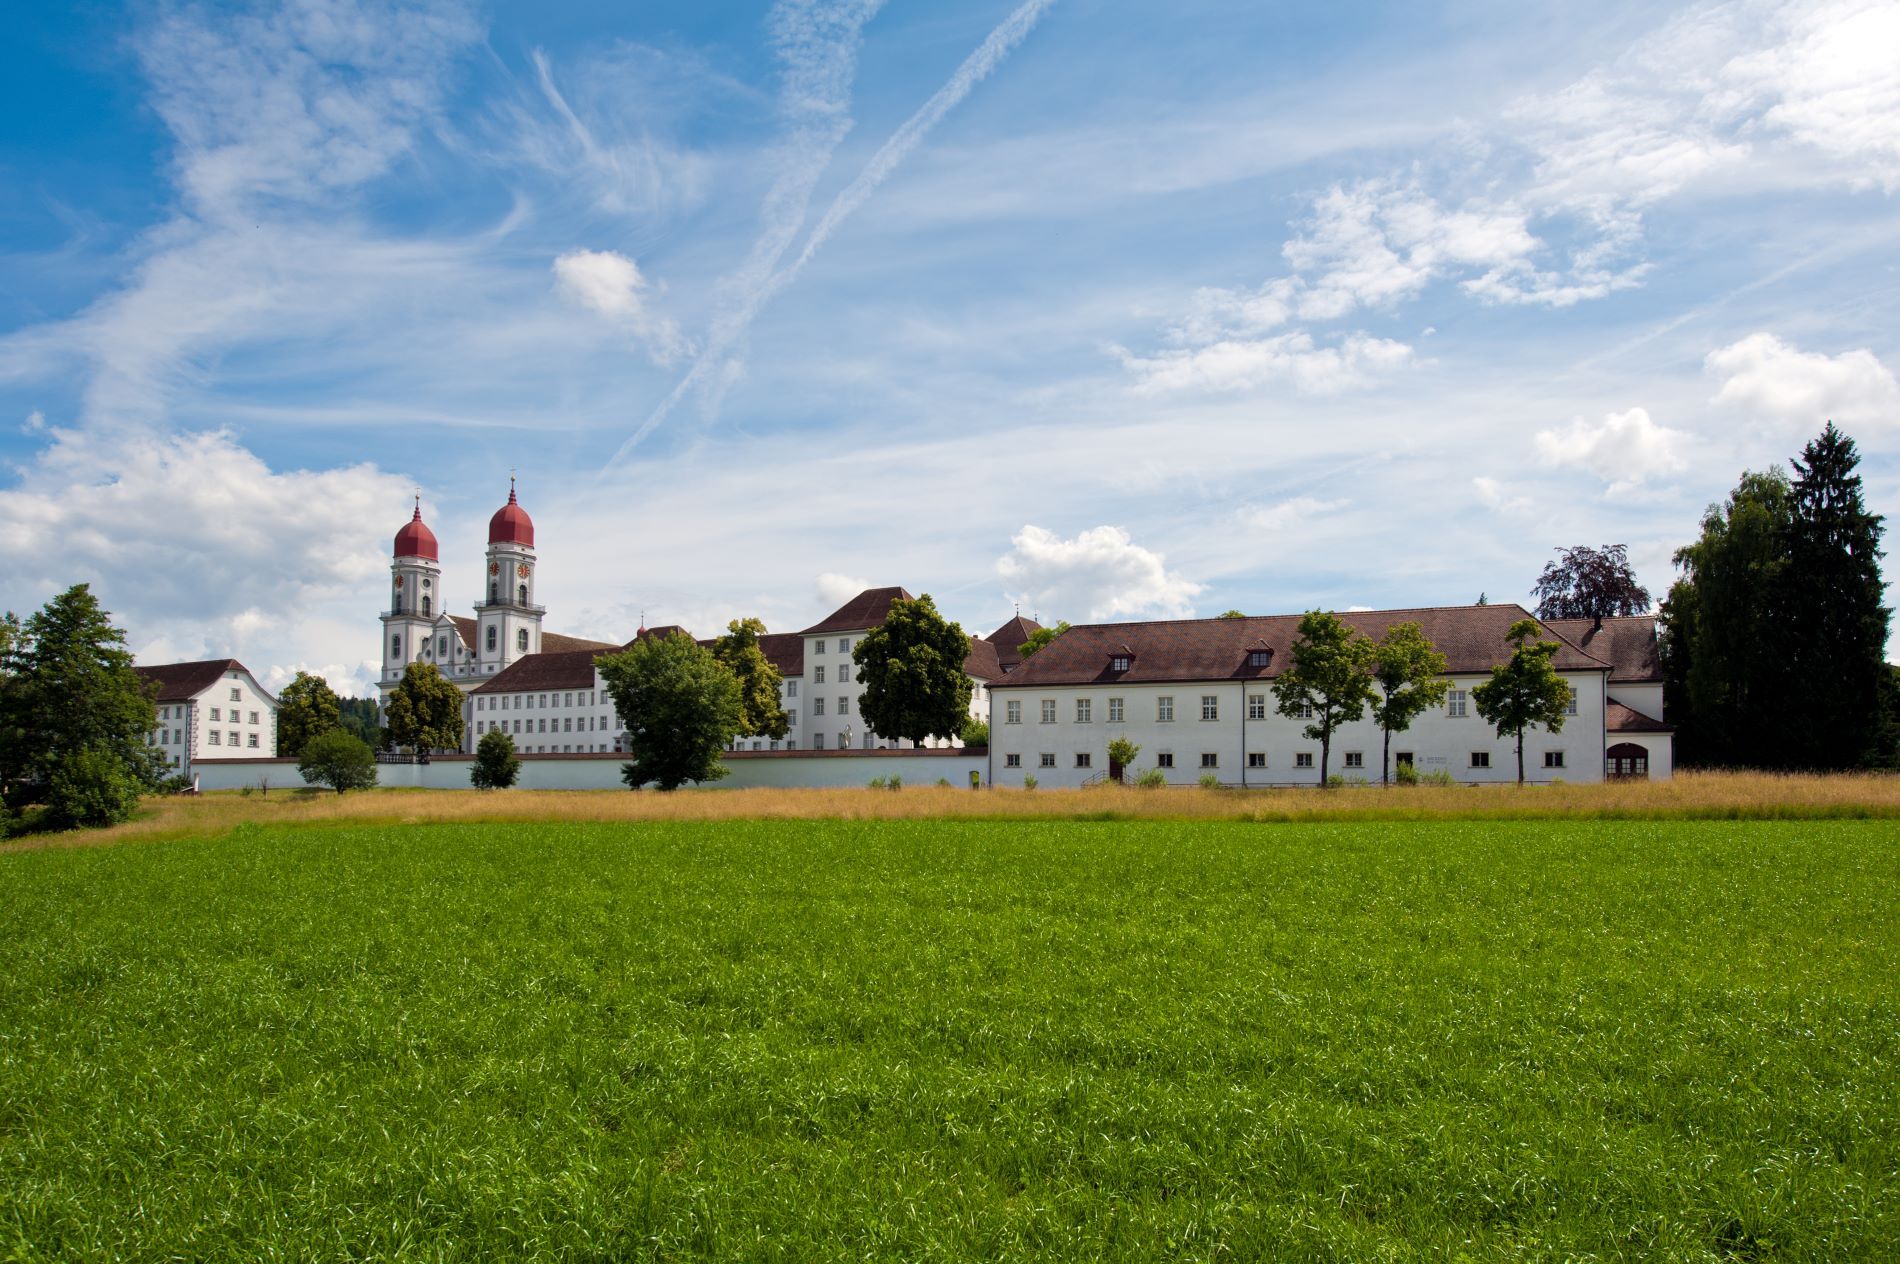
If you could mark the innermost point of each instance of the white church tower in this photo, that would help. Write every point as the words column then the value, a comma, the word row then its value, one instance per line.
column 415, row 597
column 510, row 621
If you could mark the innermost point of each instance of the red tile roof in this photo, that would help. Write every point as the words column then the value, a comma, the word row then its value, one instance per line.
column 466, row 628
column 181, row 682
column 981, row 662
column 550, row 669
column 1472, row 639
column 1618, row 718
column 785, row 651
column 867, row 610
column 1009, row 639
column 1627, row 644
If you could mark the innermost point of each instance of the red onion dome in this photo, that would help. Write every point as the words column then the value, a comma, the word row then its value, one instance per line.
column 511, row 523
column 415, row 539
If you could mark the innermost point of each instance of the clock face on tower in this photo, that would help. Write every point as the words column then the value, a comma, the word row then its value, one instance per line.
column 399, row 581
column 522, row 570
column 494, row 568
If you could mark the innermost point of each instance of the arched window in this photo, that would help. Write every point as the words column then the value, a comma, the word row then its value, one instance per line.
column 521, row 640
column 491, row 639
column 395, row 647
column 521, row 594
column 1628, row 761
column 425, row 605
column 494, row 592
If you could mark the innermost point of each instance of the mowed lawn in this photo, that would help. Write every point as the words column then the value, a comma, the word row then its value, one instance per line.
column 916, row 1039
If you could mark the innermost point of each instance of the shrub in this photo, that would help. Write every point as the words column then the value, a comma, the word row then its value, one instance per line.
column 976, row 732
column 496, row 765
column 896, row 782
column 339, row 760
column 1029, row 781
column 1152, row 779
column 944, row 782
column 1210, row 781
column 1406, row 775
column 877, row 783
column 1436, row 777
column 91, row 788
column 245, row 792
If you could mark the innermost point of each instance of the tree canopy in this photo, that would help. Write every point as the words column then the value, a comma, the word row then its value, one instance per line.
column 1328, row 680
column 1526, row 691
column 1408, row 677
column 1587, row 583
column 75, row 718
column 425, row 711
column 760, row 713
column 339, row 760
column 911, row 668
column 496, row 765
column 681, row 707
column 1041, row 638
column 307, row 707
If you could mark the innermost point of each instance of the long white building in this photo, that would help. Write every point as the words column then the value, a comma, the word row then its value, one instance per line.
column 214, row 709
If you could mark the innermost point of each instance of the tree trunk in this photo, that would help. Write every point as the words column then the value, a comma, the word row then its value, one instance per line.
column 1520, row 757
column 1385, row 760
column 1325, row 759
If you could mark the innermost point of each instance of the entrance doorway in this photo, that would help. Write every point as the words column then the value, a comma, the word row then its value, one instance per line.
column 1628, row 762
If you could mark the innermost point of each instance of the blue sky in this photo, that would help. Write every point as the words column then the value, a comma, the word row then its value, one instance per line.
column 1108, row 309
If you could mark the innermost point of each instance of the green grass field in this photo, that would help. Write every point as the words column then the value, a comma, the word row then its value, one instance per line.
column 915, row 1039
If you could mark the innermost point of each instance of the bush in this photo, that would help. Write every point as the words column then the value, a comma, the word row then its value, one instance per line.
column 1152, row 779
column 1210, row 781
column 976, row 732
column 944, row 782
column 91, row 788
column 896, row 782
column 1029, row 781
column 1406, row 775
column 496, row 766
column 877, row 783
column 339, row 760
column 1436, row 777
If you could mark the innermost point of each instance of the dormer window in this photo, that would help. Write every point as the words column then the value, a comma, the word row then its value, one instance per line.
column 1118, row 662
column 1259, row 658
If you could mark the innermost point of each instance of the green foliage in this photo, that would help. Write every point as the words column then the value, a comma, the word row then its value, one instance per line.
column 70, row 706
column 1029, row 781
column 1121, row 753
column 896, row 782
column 1437, row 777
column 1152, row 779
column 1041, row 638
column 1587, row 583
column 425, row 711
column 911, row 670
column 1210, row 781
column 1391, row 1041
column 760, row 714
column 362, row 717
column 92, row 788
column 496, row 765
column 875, row 783
column 1407, row 775
column 681, row 707
column 1232, row 614
column 976, row 732
column 306, row 708
column 1408, row 679
column 943, row 783
column 1330, row 673
column 339, row 760
column 1526, row 692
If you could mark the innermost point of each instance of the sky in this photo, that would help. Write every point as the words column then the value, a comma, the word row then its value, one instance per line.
column 1099, row 309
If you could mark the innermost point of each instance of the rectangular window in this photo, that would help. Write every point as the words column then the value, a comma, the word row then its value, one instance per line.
column 1570, row 708
column 1165, row 759
column 212, row 737
column 1480, row 759
column 844, row 704
column 1082, row 759
column 818, row 675
column 1303, row 759
column 1306, row 711
column 215, row 716
column 791, row 689
column 253, row 742
column 544, row 727
column 1048, row 710
column 1118, row 662
column 818, row 647
column 1256, row 706
column 1084, row 711
column 817, row 705
column 817, row 741
column 1012, row 761
column 236, row 696
column 1209, row 759
column 1553, row 759
column 1115, row 711
column 234, row 738
column 1355, row 759
column 1164, row 710
column 1013, row 712
column 1256, row 759
column 1048, row 761
column 1210, row 706
column 1455, row 703
column 844, row 673
column 1259, row 658
column 791, row 718
column 1403, row 759
column 844, row 645
column 567, row 724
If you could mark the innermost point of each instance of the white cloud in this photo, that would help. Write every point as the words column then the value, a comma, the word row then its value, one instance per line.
column 1496, row 495
column 1624, row 449
column 34, row 423
column 835, row 589
column 1292, row 358
column 1774, row 381
column 1100, row 574
column 1288, row 514
column 608, row 282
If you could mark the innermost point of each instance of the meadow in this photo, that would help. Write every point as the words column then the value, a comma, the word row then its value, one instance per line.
column 1036, row 1038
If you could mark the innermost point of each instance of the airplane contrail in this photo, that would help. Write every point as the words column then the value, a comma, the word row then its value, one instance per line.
column 988, row 55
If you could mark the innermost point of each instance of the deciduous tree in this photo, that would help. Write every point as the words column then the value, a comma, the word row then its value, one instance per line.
column 1041, row 637
column 760, row 714
column 911, row 668
column 680, row 705
column 496, row 765
column 339, row 760
column 1526, row 691
column 1408, row 673
column 306, row 708
column 425, row 711
column 1587, row 583
column 1328, row 680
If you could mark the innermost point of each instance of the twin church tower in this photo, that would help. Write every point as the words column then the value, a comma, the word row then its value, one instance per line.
column 507, row 622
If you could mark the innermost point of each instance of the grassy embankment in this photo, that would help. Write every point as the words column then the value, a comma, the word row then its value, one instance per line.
column 1035, row 1039
column 1689, row 796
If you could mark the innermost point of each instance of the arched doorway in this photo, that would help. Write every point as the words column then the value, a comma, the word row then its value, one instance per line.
column 1628, row 762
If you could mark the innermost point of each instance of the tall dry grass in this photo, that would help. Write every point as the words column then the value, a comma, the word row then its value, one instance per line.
column 1688, row 796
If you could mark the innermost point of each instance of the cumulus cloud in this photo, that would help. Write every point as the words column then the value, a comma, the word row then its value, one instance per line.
column 1293, row 359
column 1099, row 574
column 1288, row 514
column 611, row 284
column 1771, row 380
column 1624, row 449
column 835, row 589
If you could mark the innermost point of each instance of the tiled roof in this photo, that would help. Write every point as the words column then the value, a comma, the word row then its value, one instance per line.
column 785, row 651
column 1009, row 639
column 981, row 662
column 466, row 628
column 550, row 669
column 555, row 643
column 1618, row 718
column 868, row 609
column 664, row 630
column 181, row 682
column 1627, row 644
column 1472, row 639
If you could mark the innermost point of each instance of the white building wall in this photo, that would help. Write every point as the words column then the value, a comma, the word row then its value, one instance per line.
column 594, row 772
column 234, row 717
column 1648, row 699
